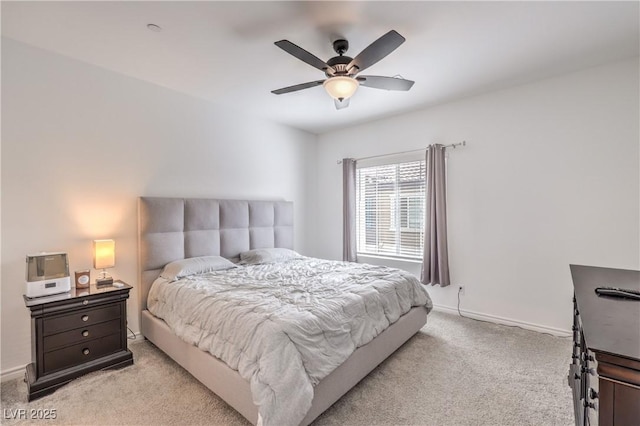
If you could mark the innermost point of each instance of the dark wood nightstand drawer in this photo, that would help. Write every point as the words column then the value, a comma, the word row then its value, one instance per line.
column 82, row 352
column 82, row 334
column 80, row 318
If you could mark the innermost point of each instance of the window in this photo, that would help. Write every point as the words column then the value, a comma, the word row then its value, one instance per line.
column 390, row 209
column 411, row 210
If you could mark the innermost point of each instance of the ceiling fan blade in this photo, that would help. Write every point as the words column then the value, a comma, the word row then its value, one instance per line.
column 377, row 50
column 386, row 83
column 341, row 104
column 304, row 56
column 297, row 87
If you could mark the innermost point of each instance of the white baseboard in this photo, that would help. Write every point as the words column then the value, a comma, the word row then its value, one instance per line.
column 12, row 373
column 139, row 337
column 505, row 321
column 18, row 372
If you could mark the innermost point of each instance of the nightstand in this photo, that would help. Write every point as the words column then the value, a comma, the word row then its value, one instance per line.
column 75, row 333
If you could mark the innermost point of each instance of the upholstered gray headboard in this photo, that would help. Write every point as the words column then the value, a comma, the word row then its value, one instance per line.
column 178, row 228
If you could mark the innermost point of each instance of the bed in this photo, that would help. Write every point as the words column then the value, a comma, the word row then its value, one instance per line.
column 172, row 229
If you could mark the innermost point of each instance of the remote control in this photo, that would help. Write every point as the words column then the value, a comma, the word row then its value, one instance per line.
column 624, row 293
column 119, row 285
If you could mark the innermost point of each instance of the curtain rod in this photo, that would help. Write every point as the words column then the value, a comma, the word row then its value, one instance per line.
column 453, row 145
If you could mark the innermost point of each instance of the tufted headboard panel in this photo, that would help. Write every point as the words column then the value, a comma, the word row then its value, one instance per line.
column 178, row 228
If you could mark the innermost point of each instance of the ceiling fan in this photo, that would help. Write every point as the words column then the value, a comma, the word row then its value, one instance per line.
column 342, row 71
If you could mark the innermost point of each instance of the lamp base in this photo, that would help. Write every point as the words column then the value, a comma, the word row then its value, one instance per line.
column 104, row 282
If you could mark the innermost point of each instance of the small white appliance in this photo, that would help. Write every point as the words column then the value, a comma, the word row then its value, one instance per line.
column 47, row 273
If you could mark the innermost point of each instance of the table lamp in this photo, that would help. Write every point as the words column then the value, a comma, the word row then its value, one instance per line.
column 104, row 256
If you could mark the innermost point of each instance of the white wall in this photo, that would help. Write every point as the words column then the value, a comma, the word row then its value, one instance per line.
column 80, row 144
column 549, row 177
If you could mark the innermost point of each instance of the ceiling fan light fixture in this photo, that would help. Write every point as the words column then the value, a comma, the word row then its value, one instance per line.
column 341, row 87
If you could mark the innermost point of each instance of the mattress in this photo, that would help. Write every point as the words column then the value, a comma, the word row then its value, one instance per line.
column 286, row 325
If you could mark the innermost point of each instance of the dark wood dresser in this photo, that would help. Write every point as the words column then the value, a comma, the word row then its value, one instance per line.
column 605, row 369
column 75, row 333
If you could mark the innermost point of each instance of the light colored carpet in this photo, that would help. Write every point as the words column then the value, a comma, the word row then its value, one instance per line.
column 456, row 371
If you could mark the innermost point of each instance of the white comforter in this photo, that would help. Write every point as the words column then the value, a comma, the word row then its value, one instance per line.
column 287, row 325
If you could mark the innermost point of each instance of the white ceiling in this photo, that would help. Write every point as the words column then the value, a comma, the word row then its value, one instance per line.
column 224, row 51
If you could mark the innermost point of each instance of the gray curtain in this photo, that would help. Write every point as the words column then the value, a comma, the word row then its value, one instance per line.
column 349, row 209
column 435, row 262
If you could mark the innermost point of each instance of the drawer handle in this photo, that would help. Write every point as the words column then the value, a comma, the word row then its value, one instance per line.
column 588, row 370
column 85, row 318
column 593, row 394
column 85, row 333
column 587, row 404
column 585, row 357
column 85, row 351
column 85, row 302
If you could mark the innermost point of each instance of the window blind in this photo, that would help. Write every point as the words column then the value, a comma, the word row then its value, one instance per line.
column 390, row 201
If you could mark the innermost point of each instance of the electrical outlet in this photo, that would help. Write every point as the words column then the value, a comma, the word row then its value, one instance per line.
column 461, row 289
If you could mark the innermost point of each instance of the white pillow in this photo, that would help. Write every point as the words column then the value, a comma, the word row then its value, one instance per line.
column 267, row 255
column 194, row 265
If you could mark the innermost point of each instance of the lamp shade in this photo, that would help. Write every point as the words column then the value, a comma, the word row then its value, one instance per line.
column 104, row 254
column 341, row 87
